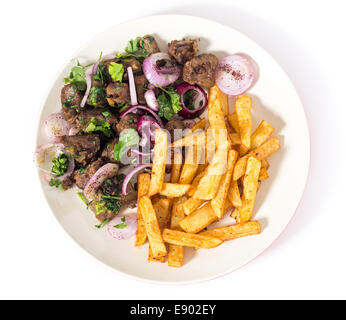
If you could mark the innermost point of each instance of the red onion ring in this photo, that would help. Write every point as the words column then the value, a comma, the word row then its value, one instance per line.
column 159, row 77
column 151, row 100
column 200, row 100
column 141, row 154
column 132, row 85
column 131, row 174
column 86, row 95
column 131, row 109
column 235, row 74
column 146, row 127
column 99, row 177
column 122, row 233
column 56, row 126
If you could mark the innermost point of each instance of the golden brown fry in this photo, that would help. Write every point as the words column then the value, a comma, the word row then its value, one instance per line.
column 190, row 205
column 244, row 213
column 217, row 122
column 264, row 164
column 159, row 162
column 151, row 257
column 199, row 219
column 209, row 183
column 263, row 174
column 174, row 190
column 195, row 183
column 199, row 125
column 162, row 209
column 189, row 239
column 261, row 134
column 216, row 93
column 143, row 189
column 235, row 138
column 219, row 201
column 262, row 152
column 190, row 166
column 152, row 227
column 234, row 231
column 176, row 166
column 176, row 252
column 233, row 121
column 234, row 195
column 243, row 112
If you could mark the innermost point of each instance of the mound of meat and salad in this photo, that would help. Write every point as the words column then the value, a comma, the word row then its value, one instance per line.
column 103, row 136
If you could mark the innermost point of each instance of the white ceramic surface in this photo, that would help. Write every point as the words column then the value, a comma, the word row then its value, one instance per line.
column 274, row 99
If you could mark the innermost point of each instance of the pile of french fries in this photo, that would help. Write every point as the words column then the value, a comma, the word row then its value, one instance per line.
column 224, row 165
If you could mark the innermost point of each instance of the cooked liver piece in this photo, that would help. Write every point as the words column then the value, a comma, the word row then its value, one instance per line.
column 182, row 50
column 201, row 70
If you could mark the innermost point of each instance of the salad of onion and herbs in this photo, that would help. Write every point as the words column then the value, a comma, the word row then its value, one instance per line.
column 103, row 136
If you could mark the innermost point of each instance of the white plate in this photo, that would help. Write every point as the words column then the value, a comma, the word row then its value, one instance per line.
column 274, row 99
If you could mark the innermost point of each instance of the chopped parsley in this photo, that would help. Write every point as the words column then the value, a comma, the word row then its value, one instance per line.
column 128, row 137
column 124, row 106
column 100, row 73
column 96, row 95
column 116, row 71
column 60, row 164
column 99, row 125
column 81, row 170
column 56, row 183
column 134, row 49
column 121, row 225
column 106, row 114
column 77, row 77
column 169, row 102
column 102, row 224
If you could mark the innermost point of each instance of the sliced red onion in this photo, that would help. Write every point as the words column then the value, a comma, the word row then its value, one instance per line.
column 86, row 95
column 122, row 227
column 131, row 174
column 133, row 108
column 132, row 85
column 235, row 74
column 96, row 65
column 100, row 176
column 160, row 75
column 56, row 126
column 141, row 154
column 200, row 100
column 151, row 100
column 146, row 127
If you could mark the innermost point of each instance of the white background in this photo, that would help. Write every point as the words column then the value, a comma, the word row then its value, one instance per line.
column 39, row 260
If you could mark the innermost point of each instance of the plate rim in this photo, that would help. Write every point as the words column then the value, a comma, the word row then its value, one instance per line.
column 139, row 19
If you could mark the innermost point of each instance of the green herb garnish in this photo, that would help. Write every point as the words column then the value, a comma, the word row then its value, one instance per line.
column 102, row 224
column 56, row 183
column 60, row 164
column 84, row 199
column 169, row 102
column 116, row 71
column 128, row 137
column 121, row 225
column 99, row 125
column 106, row 114
column 77, row 77
column 96, row 95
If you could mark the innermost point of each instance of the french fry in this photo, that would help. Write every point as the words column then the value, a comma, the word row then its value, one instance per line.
column 190, row 166
column 176, row 166
column 209, row 184
column 162, row 209
column 263, row 174
column 199, row 219
column 159, row 162
column 262, row 152
column 152, row 227
column 189, row 239
column 195, row 138
column 199, row 125
column 234, row 231
column 244, row 213
column 234, row 195
column 190, row 205
column 174, row 190
column 243, row 112
column 233, row 121
column 235, row 138
column 219, row 201
column 195, row 183
column 176, row 252
column 216, row 93
column 261, row 134
column 217, row 122
column 143, row 189
column 151, row 257
column 264, row 164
